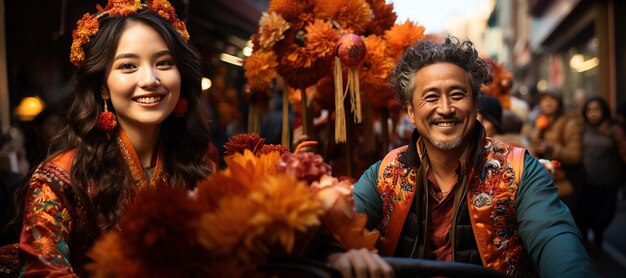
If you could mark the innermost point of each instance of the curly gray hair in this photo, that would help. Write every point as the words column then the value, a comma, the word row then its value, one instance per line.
column 425, row 53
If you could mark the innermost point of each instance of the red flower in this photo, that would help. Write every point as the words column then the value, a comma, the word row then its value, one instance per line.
column 272, row 148
column 241, row 142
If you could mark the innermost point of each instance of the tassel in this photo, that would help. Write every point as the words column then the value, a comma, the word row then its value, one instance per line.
column 340, row 114
column 355, row 94
column 285, row 140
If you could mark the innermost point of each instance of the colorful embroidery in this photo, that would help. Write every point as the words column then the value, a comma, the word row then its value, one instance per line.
column 395, row 173
column 46, row 224
column 496, row 182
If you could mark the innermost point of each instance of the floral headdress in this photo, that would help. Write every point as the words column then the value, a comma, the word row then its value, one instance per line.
column 88, row 25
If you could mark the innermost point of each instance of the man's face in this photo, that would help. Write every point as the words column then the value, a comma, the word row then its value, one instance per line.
column 442, row 108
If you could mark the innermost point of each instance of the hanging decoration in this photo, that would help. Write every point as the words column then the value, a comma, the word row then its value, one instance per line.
column 350, row 52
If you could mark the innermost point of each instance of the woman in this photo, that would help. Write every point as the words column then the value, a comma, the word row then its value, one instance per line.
column 604, row 155
column 133, row 122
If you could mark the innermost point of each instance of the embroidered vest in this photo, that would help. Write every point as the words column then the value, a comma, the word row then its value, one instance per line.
column 492, row 191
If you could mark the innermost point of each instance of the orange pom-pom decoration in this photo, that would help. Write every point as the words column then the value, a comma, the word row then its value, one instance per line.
column 106, row 121
column 542, row 122
column 351, row 49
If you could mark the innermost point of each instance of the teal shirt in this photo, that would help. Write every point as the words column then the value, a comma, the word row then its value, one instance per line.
column 545, row 224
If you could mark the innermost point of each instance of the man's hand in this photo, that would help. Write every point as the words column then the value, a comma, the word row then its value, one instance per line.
column 360, row 263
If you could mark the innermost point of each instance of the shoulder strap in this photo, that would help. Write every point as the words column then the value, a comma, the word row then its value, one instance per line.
column 389, row 158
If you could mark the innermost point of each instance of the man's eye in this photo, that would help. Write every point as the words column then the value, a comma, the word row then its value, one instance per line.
column 457, row 96
column 431, row 97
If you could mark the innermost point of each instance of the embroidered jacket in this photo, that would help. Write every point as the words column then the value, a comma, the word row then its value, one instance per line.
column 524, row 229
column 51, row 209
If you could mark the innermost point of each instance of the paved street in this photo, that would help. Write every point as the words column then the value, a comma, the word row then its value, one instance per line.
column 612, row 262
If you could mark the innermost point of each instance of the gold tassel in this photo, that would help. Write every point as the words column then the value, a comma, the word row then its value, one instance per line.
column 340, row 114
column 355, row 94
column 285, row 140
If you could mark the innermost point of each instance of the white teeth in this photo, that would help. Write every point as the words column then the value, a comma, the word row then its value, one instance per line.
column 445, row 124
column 147, row 100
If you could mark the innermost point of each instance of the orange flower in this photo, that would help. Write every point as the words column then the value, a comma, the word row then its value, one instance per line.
column 285, row 205
column 212, row 189
column 501, row 83
column 166, row 10
column 122, row 7
column 87, row 27
column 376, row 66
column 384, row 17
column 230, row 229
column 290, row 10
column 110, row 260
column 354, row 14
column 250, row 169
column 321, row 38
column 272, row 27
column 300, row 69
column 298, row 57
column 401, row 36
column 260, row 69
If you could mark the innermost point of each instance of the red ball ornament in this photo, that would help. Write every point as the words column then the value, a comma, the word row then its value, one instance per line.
column 106, row 121
column 350, row 49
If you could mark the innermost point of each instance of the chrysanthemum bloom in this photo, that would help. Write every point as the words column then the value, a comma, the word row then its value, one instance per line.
column 354, row 14
column 285, row 207
column 401, row 36
column 272, row 27
column 280, row 149
column 321, row 38
column 384, row 17
column 305, row 166
column 249, row 168
column 241, row 142
column 260, row 69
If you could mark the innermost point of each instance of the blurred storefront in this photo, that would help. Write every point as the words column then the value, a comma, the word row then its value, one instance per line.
column 571, row 44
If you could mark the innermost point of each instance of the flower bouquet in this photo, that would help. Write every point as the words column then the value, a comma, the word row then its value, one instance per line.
column 268, row 201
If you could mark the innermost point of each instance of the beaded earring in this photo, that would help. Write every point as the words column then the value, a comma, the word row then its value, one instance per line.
column 106, row 119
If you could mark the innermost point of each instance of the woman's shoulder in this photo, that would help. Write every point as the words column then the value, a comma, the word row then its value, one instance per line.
column 63, row 159
column 56, row 168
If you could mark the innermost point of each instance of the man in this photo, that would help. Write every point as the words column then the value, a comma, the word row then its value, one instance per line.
column 455, row 195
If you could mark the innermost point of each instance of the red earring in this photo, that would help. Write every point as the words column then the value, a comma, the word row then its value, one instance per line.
column 106, row 120
column 181, row 107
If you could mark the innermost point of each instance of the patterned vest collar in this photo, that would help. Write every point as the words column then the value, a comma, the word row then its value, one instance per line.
column 494, row 176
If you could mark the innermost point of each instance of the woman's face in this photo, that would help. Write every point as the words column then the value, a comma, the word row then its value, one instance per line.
column 594, row 113
column 143, row 82
column 549, row 105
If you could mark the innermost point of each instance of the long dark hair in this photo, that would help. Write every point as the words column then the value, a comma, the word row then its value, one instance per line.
column 604, row 106
column 98, row 160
